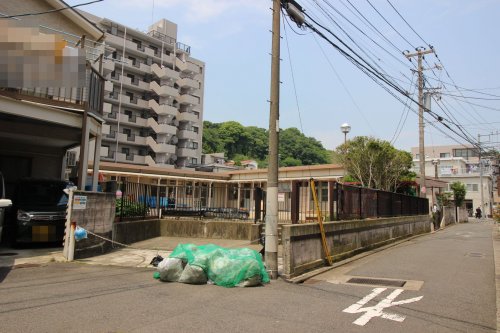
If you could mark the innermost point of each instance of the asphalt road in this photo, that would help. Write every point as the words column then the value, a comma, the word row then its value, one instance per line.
column 452, row 269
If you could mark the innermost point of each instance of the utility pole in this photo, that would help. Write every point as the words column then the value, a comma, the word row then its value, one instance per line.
column 271, row 242
column 481, row 175
column 420, row 54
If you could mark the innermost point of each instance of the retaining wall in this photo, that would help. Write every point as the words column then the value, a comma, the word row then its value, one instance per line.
column 302, row 246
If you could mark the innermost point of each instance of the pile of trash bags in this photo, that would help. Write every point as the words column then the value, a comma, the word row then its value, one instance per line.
column 210, row 263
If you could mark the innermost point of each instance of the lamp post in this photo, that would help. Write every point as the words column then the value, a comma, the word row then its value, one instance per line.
column 436, row 163
column 345, row 128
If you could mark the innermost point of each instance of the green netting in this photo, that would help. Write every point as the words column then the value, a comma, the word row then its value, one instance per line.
column 225, row 267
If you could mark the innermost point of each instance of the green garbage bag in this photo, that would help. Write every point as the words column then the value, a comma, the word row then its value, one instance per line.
column 225, row 267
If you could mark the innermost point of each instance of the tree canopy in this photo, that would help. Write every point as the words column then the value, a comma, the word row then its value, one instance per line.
column 239, row 142
column 374, row 163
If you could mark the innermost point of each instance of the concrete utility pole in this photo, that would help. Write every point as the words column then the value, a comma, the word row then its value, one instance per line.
column 481, row 175
column 420, row 54
column 271, row 242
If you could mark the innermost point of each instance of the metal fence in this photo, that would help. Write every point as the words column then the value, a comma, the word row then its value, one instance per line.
column 360, row 203
column 245, row 202
column 214, row 201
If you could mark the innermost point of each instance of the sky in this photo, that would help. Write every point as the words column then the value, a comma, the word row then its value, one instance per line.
column 320, row 88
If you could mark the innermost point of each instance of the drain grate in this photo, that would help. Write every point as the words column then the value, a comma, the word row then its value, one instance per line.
column 475, row 254
column 8, row 254
column 377, row 282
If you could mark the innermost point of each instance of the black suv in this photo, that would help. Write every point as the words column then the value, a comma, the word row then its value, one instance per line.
column 39, row 210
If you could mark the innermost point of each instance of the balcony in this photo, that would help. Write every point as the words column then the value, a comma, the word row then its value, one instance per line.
column 108, row 87
column 187, row 135
column 130, row 158
column 164, row 73
column 189, row 99
column 188, row 83
column 161, row 128
column 164, row 90
column 106, row 108
column 108, row 65
column 187, row 116
column 162, row 109
column 187, row 152
column 162, row 148
column 187, row 67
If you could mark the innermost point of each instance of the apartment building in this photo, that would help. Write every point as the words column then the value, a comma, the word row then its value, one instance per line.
column 154, row 98
column 461, row 163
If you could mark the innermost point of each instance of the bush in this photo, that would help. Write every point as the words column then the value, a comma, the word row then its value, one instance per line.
column 130, row 208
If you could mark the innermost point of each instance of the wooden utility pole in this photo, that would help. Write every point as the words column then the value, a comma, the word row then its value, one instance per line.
column 421, row 151
column 271, row 242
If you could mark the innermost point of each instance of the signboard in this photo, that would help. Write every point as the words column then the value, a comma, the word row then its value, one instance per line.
column 79, row 202
column 281, row 197
column 284, row 187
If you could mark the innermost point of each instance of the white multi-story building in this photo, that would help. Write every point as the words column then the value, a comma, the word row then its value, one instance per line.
column 153, row 98
column 461, row 163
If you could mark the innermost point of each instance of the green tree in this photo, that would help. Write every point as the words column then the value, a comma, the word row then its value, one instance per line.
column 374, row 163
column 459, row 192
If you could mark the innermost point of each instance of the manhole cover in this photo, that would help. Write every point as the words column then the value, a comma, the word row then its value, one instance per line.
column 377, row 282
column 475, row 254
column 7, row 254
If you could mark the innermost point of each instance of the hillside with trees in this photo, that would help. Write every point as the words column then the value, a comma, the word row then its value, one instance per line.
column 239, row 143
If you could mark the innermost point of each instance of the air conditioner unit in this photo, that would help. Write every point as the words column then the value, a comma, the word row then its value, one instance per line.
column 70, row 158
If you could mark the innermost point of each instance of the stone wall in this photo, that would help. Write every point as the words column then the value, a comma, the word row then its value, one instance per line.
column 302, row 246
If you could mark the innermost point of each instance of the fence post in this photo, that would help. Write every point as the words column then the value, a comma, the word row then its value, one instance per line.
column 360, row 203
column 146, row 199
column 258, row 203
column 377, row 203
column 294, row 205
column 121, row 200
column 338, row 197
column 331, row 196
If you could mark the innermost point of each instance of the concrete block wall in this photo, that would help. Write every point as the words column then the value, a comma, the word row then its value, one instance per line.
column 302, row 249
column 98, row 218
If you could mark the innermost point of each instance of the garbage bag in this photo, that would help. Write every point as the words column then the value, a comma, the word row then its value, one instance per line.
column 225, row 267
column 193, row 275
column 170, row 269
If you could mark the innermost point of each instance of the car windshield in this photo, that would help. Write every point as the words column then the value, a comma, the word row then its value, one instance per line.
column 42, row 194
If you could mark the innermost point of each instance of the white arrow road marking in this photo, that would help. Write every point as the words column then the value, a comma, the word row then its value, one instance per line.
column 376, row 311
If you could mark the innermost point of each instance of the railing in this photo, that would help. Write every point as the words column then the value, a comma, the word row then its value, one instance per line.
column 295, row 204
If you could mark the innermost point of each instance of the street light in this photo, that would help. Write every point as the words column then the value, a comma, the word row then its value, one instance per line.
column 435, row 162
column 345, row 128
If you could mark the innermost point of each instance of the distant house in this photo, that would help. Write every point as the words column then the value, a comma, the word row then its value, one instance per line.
column 249, row 164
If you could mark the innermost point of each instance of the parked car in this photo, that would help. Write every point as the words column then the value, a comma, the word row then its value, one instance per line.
column 39, row 210
column 4, row 204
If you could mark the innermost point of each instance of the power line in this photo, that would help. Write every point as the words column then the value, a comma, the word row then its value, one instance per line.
column 49, row 11
column 416, row 33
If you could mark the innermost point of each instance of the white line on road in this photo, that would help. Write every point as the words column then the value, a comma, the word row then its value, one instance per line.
column 376, row 311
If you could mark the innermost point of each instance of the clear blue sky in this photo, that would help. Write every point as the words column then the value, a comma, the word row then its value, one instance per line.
column 232, row 37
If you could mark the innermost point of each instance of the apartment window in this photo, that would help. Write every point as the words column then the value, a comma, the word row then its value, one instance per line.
column 444, row 155
column 128, row 113
column 129, row 94
column 126, row 151
column 138, row 42
column 114, row 55
column 195, row 129
column 194, row 160
column 132, row 59
column 195, row 145
column 131, row 76
column 417, row 156
column 127, row 132
column 465, row 153
column 472, row 187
